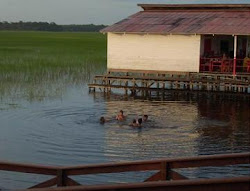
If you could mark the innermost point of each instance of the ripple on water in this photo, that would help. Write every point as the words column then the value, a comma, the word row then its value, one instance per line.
column 69, row 133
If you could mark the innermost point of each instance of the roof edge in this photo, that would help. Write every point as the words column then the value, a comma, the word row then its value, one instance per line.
column 154, row 7
column 179, row 33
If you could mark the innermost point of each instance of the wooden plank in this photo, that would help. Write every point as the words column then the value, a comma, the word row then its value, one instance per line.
column 113, row 168
column 222, row 184
column 61, row 178
column 28, row 168
column 155, row 177
column 210, row 160
column 71, row 182
column 173, row 79
column 217, row 160
column 46, row 184
column 186, row 162
column 177, row 176
column 208, row 74
column 164, row 170
column 110, row 70
column 173, row 90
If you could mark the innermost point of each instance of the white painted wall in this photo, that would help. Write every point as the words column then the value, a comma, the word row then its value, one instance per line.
column 180, row 53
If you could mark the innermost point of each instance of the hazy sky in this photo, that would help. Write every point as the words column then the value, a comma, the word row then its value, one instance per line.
column 80, row 11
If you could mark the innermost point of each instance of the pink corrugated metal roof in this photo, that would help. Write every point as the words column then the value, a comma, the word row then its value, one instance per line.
column 185, row 22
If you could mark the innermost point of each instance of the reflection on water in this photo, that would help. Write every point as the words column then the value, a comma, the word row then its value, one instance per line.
column 54, row 120
column 156, row 138
column 226, row 124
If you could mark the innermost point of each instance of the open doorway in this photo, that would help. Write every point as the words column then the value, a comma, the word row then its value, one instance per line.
column 217, row 54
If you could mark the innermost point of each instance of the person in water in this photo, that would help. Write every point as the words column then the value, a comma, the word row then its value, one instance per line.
column 139, row 122
column 134, row 123
column 102, row 120
column 120, row 116
column 145, row 118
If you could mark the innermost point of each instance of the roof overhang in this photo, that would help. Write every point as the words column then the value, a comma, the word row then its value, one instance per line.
column 187, row 19
column 154, row 7
column 187, row 34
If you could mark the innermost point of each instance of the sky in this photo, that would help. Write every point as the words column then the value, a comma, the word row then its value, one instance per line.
column 80, row 11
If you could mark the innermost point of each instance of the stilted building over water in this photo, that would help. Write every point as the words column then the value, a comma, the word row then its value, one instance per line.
column 189, row 39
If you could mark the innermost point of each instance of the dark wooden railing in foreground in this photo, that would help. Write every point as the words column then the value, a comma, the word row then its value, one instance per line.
column 165, row 171
column 226, row 184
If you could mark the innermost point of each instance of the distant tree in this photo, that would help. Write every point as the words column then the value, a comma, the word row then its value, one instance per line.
column 45, row 26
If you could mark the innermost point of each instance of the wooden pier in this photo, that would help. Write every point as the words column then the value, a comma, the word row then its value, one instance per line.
column 164, row 177
column 145, row 83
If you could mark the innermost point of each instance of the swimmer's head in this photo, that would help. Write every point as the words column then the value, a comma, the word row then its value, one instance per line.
column 102, row 120
column 145, row 117
column 140, row 121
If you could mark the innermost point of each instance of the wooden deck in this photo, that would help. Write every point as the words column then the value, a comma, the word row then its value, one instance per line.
column 144, row 83
column 165, row 175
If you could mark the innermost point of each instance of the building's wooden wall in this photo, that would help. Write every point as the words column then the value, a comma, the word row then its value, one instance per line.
column 180, row 53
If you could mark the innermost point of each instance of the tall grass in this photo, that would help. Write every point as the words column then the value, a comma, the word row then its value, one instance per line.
column 37, row 59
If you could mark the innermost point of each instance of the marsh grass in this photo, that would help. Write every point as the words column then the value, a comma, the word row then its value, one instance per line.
column 48, row 61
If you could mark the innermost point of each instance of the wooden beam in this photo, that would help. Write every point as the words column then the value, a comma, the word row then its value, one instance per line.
column 165, row 166
column 28, row 168
column 199, row 78
column 164, row 170
column 224, row 184
column 216, row 160
column 177, row 176
column 71, row 182
column 186, row 162
column 113, row 168
column 46, row 184
column 61, row 178
column 155, row 177
column 144, row 71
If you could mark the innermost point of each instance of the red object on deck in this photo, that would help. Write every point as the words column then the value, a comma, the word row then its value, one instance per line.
column 234, row 68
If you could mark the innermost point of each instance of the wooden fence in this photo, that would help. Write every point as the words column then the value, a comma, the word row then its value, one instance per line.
column 165, row 171
column 145, row 83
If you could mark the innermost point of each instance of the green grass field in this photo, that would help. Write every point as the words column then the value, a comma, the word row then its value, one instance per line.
column 32, row 51
column 31, row 62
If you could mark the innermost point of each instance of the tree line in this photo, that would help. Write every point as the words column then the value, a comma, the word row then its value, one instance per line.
column 45, row 26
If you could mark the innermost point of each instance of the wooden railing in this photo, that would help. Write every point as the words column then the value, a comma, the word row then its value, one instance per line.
column 227, row 184
column 165, row 171
column 224, row 66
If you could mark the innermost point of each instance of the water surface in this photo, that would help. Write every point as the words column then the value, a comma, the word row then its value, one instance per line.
column 57, row 124
column 48, row 116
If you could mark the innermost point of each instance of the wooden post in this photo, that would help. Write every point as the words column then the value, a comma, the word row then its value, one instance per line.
column 235, row 54
column 163, row 171
column 61, row 178
column 126, row 88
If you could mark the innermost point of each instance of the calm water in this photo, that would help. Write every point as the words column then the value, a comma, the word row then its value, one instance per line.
column 55, row 122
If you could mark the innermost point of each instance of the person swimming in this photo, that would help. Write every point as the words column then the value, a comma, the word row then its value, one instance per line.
column 145, row 118
column 120, row 116
column 139, row 122
column 134, row 123
column 102, row 120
